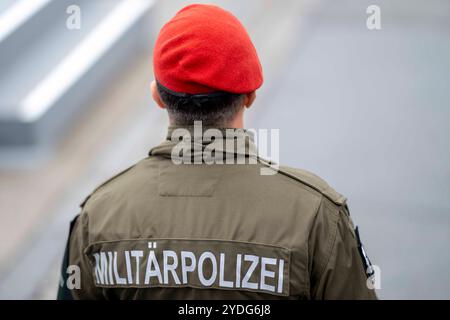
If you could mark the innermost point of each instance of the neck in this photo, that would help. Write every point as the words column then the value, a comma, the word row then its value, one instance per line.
column 238, row 121
column 235, row 124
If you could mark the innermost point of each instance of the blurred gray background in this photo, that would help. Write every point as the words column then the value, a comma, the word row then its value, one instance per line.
column 367, row 110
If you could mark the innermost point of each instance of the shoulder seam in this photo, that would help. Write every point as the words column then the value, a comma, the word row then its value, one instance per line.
column 339, row 201
column 331, row 247
column 82, row 204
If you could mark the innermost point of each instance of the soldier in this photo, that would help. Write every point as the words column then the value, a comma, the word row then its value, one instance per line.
column 183, row 224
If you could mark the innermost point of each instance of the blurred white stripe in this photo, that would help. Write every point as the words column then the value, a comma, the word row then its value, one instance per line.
column 82, row 58
column 14, row 17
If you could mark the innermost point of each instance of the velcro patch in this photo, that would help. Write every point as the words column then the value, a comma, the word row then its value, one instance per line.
column 199, row 263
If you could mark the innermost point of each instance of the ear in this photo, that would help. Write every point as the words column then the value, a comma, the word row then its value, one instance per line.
column 155, row 95
column 249, row 99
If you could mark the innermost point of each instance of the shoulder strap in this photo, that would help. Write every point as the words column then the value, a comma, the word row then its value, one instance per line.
column 309, row 179
column 314, row 182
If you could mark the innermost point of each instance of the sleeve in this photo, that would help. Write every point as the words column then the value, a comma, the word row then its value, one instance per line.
column 63, row 289
column 336, row 266
column 79, row 263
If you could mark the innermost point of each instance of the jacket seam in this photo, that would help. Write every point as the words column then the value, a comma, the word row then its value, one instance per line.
column 330, row 247
column 308, row 258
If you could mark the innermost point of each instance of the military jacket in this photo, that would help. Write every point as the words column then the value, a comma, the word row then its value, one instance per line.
column 200, row 229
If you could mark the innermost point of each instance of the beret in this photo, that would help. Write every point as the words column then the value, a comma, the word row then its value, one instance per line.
column 205, row 49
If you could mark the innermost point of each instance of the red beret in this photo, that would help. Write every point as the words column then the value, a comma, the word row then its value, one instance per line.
column 204, row 49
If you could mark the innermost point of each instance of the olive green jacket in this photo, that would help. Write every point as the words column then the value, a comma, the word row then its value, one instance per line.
column 165, row 230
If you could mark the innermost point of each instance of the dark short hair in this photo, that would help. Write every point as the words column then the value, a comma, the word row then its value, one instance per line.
column 213, row 109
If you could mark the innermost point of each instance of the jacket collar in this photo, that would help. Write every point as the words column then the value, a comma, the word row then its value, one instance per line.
column 185, row 142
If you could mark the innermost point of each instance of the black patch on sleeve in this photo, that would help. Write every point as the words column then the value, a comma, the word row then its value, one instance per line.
column 364, row 257
column 64, row 292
